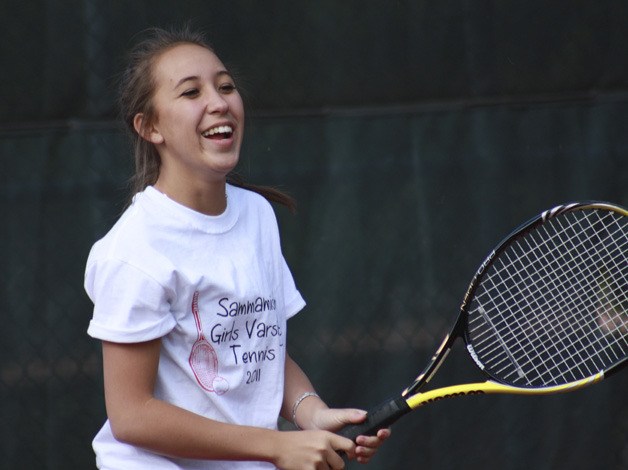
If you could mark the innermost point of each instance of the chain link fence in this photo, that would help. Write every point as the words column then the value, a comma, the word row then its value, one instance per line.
column 413, row 137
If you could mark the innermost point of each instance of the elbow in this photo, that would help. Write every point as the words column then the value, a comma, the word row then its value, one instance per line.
column 121, row 432
column 130, row 423
column 126, row 429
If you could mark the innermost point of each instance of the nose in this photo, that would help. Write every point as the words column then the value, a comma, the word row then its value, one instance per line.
column 217, row 104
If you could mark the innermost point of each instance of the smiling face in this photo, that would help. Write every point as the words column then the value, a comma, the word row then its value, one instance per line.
column 199, row 119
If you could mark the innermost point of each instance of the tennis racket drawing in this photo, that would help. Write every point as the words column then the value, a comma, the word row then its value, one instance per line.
column 203, row 359
column 546, row 312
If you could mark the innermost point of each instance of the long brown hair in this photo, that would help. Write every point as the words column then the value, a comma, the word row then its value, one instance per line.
column 136, row 89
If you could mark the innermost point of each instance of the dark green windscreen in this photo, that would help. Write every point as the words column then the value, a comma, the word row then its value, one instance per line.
column 414, row 135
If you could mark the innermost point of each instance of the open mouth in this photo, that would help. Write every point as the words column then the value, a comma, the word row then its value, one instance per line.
column 218, row 133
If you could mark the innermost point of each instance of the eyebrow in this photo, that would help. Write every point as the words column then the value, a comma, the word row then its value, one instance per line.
column 219, row 74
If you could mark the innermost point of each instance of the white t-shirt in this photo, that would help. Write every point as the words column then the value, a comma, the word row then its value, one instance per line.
column 217, row 291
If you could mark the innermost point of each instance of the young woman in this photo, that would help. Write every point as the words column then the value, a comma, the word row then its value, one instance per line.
column 191, row 291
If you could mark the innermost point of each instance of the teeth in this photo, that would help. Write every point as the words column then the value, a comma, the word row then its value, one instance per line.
column 218, row 130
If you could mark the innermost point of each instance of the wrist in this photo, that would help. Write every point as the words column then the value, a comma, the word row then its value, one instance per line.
column 299, row 405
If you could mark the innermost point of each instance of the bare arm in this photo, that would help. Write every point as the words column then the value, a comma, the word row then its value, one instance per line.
column 138, row 418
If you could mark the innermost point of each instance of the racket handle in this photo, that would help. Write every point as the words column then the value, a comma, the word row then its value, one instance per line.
column 377, row 418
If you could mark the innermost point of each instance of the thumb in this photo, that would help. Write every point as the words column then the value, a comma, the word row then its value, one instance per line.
column 333, row 419
column 352, row 416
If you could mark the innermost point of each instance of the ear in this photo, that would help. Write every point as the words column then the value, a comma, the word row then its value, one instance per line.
column 146, row 130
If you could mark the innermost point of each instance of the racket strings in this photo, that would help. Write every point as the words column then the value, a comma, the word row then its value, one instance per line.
column 575, row 333
column 550, row 363
column 552, row 307
column 565, row 299
column 580, row 332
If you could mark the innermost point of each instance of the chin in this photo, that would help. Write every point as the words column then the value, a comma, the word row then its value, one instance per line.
column 225, row 167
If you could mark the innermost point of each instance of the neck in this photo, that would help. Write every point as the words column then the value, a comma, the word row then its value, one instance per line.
column 210, row 199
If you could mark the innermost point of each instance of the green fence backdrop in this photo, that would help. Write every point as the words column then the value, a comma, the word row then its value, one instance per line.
column 414, row 135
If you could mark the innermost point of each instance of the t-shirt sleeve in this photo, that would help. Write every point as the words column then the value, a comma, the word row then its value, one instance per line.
column 293, row 300
column 129, row 305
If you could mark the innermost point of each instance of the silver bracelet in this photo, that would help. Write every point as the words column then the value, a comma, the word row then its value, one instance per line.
column 298, row 402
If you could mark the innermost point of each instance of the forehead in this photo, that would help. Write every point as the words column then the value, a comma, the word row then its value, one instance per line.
column 186, row 60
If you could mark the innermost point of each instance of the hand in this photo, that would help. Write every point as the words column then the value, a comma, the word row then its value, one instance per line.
column 311, row 450
column 335, row 419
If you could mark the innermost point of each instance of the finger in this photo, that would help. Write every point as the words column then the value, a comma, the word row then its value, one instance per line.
column 362, row 453
column 368, row 441
column 373, row 441
column 343, row 446
column 344, row 416
column 335, row 460
column 367, row 451
column 355, row 416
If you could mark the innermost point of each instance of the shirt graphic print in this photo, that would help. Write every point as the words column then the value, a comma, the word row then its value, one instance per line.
column 203, row 358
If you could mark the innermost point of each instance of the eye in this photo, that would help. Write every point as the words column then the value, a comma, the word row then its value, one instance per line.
column 227, row 87
column 191, row 93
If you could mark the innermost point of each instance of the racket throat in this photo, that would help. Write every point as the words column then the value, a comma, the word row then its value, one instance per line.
column 437, row 359
column 451, row 392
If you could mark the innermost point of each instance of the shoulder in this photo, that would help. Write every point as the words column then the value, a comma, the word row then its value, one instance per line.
column 250, row 201
column 124, row 231
column 132, row 239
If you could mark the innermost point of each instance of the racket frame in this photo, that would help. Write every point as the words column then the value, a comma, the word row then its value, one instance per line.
column 411, row 398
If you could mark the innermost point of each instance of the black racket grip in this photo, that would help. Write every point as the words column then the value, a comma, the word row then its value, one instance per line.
column 377, row 418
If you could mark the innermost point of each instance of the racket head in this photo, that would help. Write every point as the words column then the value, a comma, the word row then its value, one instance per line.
column 549, row 305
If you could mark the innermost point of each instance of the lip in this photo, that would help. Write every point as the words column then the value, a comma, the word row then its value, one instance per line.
column 220, row 124
column 222, row 143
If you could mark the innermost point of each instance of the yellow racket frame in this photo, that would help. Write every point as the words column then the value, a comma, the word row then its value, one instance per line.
column 488, row 387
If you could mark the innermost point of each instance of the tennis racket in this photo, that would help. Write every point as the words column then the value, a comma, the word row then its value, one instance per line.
column 546, row 312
